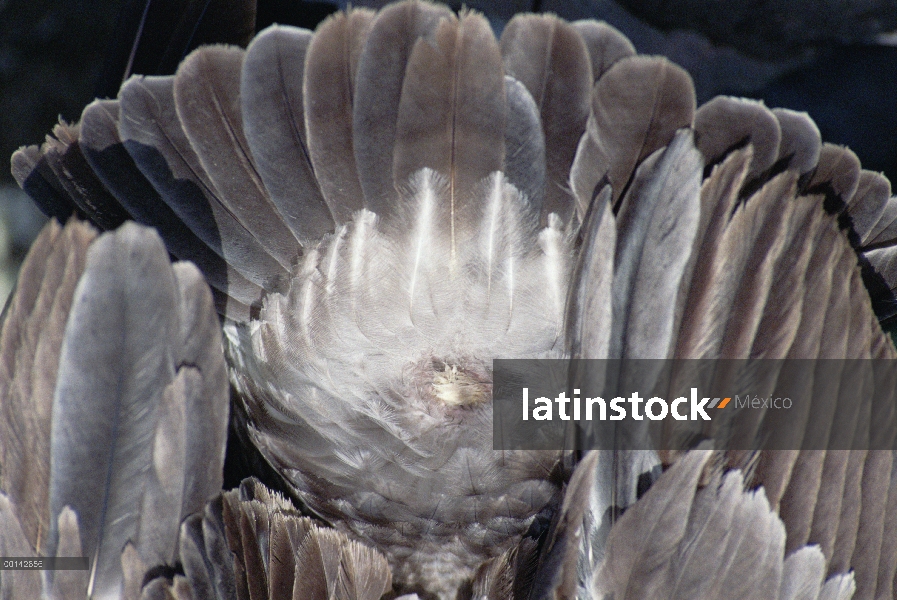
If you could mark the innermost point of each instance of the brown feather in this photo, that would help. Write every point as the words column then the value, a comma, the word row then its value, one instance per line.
column 781, row 314
column 872, row 537
column 799, row 500
column 887, row 563
column 849, row 521
column 767, row 244
column 719, row 192
column 827, row 512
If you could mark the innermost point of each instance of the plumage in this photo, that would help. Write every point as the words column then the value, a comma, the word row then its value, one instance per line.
column 106, row 490
column 590, row 314
column 725, row 123
column 30, row 343
column 329, row 88
column 103, row 149
column 849, row 519
column 781, row 316
column 887, row 567
column 64, row 157
column 14, row 543
column 637, row 105
column 742, row 272
column 273, row 117
column 69, row 584
column 884, row 223
column 381, row 208
column 826, row 513
column 117, row 468
column 207, row 100
column 524, row 164
column 121, row 452
column 379, row 84
column 631, row 565
column 153, row 136
column 278, row 554
column 874, row 579
column 605, row 44
column 719, row 193
column 451, row 115
column 801, row 144
column 868, row 203
column 33, row 174
column 703, row 538
column 661, row 207
column 838, row 173
column 550, row 58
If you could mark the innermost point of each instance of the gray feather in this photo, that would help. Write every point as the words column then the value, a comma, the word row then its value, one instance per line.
column 380, row 79
column 207, row 99
column 115, row 362
column 647, row 536
column 550, row 58
column 103, row 149
column 589, row 304
column 725, row 123
column 273, row 116
column 152, row 134
column 328, row 91
column 869, row 202
column 839, row 169
column 452, row 113
column 120, row 454
column 524, row 144
column 605, row 44
column 801, row 143
column 30, row 344
column 885, row 227
column 660, row 212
